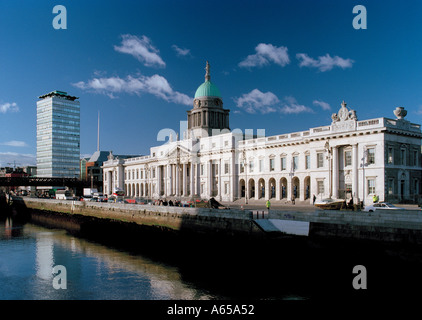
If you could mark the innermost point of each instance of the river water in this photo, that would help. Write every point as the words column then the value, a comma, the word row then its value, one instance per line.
column 98, row 270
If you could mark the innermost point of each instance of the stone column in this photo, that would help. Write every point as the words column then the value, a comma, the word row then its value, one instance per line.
column 184, row 180
column 109, row 182
column 121, row 176
column 198, row 178
column 159, row 178
column 267, row 189
column 192, row 179
column 233, row 180
column 335, row 172
column 209, row 177
column 219, row 180
column 289, row 187
column 355, row 165
column 177, row 174
column 168, row 179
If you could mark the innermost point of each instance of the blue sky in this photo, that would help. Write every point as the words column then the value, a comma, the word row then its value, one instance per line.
column 282, row 66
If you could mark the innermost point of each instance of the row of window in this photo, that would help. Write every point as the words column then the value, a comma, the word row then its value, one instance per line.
column 413, row 158
column 295, row 161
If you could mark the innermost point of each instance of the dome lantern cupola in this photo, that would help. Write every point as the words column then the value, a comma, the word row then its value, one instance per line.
column 207, row 113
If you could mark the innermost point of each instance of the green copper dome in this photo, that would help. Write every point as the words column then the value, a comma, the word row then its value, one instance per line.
column 207, row 89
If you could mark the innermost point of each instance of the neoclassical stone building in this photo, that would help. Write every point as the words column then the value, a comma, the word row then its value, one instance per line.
column 348, row 157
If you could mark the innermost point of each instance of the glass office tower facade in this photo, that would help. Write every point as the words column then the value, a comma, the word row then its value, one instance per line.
column 58, row 135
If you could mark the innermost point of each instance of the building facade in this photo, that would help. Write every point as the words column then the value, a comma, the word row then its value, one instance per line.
column 58, row 135
column 346, row 158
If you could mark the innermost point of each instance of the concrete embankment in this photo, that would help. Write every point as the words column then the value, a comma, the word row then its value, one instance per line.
column 398, row 226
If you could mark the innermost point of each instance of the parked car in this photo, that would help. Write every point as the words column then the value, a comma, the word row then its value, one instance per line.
column 102, row 199
column 381, row 205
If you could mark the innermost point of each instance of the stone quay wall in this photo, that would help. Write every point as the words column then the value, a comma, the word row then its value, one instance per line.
column 199, row 220
column 399, row 226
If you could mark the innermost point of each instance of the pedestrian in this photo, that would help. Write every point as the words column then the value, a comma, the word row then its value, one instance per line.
column 375, row 198
column 314, row 198
column 293, row 200
column 268, row 205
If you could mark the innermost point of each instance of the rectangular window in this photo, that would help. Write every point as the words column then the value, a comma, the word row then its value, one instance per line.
column 371, row 155
column 226, row 188
column 261, row 165
column 202, row 169
column 415, row 158
column 308, row 161
column 320, row 185
column 242, row 168
column 347, row 158
column 251, row 166
column 320, row 160
column 390, row 156
column 390, row 186
column 403, row 157
column 226, row 168
column 202, row 188
column 371, row 186
column 295, row 162
column 283, row 163
column 272, row 164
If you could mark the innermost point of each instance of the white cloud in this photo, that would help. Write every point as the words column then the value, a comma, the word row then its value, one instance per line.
column 155, row 85
column 9, row 107
column 322, row 104
column 324, row 63
column 14, row 143
column 258, row 101
column 8, row 159
column 266, row 53
column 180, row 51
column 290, row 106
column 141, row 49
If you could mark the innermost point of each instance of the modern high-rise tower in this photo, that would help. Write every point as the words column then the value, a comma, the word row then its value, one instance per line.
column 58, row 135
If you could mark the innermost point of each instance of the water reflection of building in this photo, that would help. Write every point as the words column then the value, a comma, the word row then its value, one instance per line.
column 348, row 157
column 44, row 255
column 95, row 271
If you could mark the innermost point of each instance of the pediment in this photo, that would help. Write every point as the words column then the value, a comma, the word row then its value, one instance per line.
column 178, row 151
